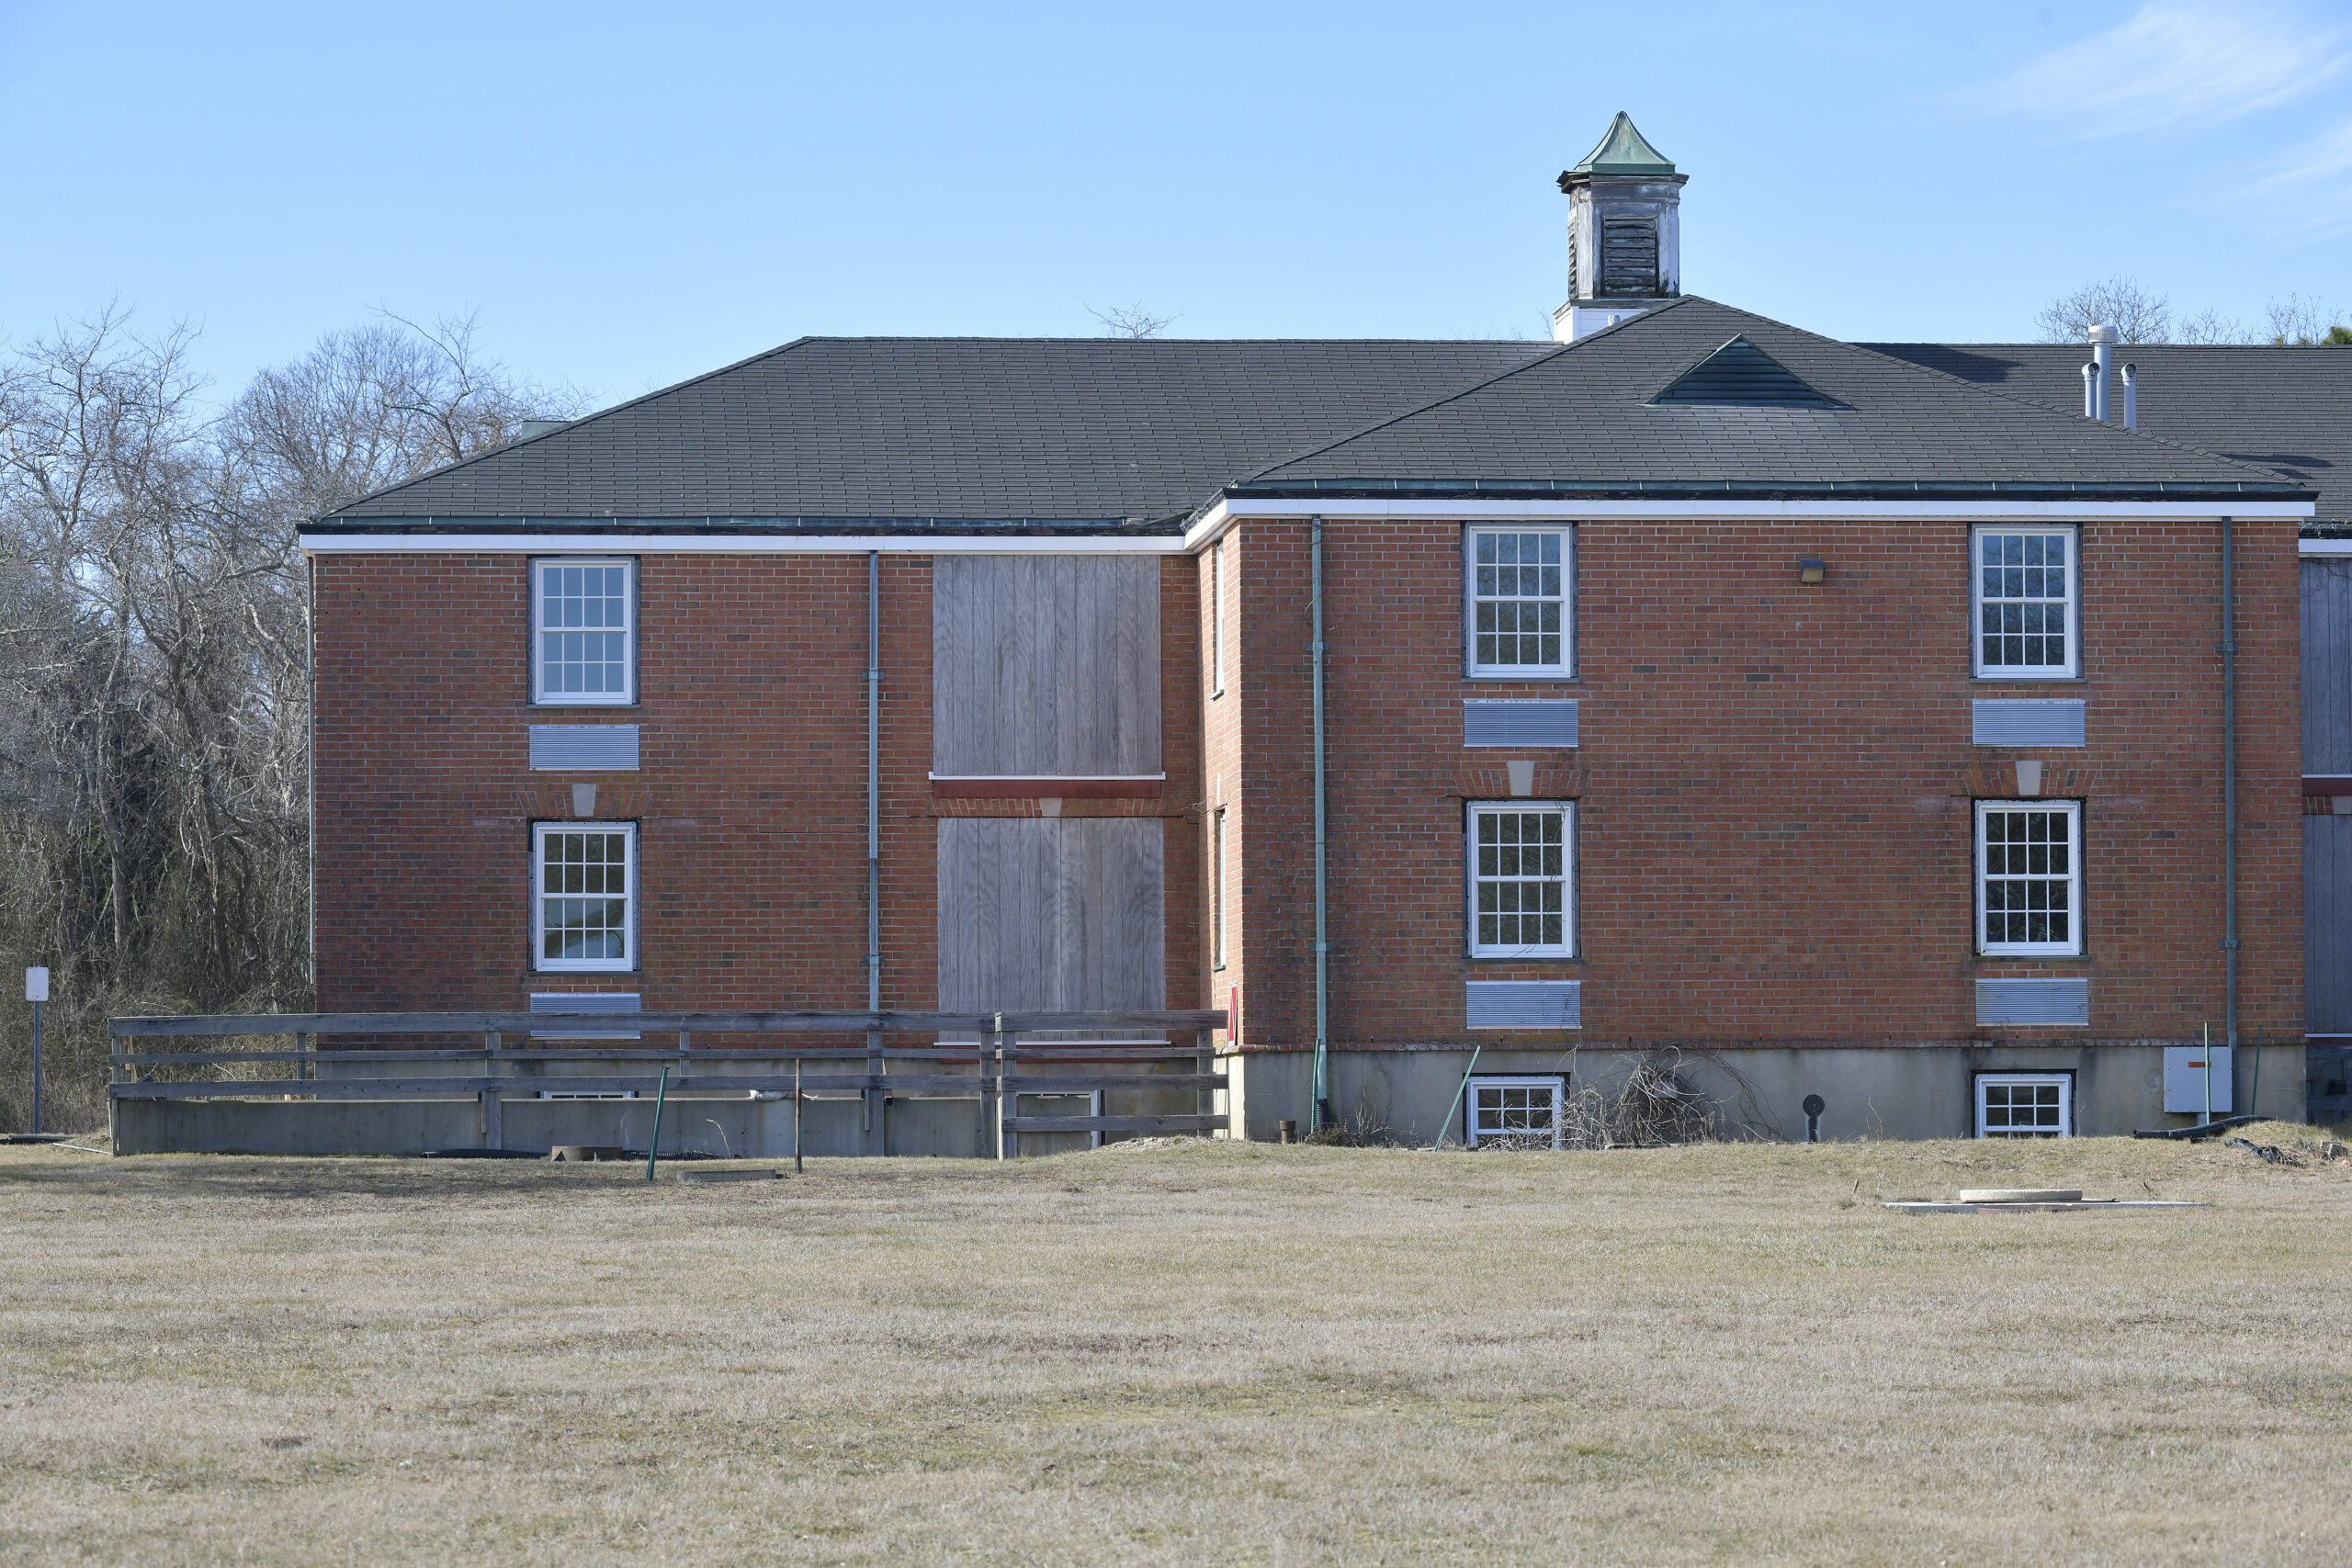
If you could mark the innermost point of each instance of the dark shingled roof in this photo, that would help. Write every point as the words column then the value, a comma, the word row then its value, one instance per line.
column 2284, row 409
column 861, row 430
column 835, row 435
column 1582, row 419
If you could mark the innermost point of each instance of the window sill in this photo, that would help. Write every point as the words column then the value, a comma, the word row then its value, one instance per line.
column 2028, row 680
column 1544, row 677
column 1524, row 958
column 2032, row 957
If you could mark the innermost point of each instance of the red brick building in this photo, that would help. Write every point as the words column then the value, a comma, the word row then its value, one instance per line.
column 1799, row 717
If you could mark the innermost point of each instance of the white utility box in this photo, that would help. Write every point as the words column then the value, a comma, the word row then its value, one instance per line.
column 2185, row 1079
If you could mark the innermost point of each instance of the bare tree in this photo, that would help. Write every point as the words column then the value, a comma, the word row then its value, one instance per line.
column 2119, row 303
column 2209, row 326
column 1130, row 321
column 2298, row 323
column 154, row 651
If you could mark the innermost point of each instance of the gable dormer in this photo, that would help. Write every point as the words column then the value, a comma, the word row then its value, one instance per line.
column 1625, row 232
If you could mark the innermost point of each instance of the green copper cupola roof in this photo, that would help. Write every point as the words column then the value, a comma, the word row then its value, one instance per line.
column 1625, row 151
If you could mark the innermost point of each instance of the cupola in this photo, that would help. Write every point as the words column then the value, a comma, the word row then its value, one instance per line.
column 1625, row 232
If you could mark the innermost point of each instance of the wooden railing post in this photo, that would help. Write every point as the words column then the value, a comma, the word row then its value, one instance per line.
column 1008, row 1098
column 494, row 1107
column 878, row 1104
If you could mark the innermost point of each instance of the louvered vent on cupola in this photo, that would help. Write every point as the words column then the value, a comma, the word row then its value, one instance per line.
column 1741, row 376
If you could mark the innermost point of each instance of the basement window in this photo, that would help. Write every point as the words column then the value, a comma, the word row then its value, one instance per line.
column 583, row 632
column 1516, row 617
column 2023, row 593
column 2025, row 1105
column 2029, row 877
column 1522, row 883
column 1516, row 1112
column 583, row 899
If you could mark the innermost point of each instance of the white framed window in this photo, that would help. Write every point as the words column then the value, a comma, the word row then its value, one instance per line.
column 1522, row 879
column 2029, row 878
column 1217, row 619
column 1516, row 616
column 1216, row 888
column 2025, row 600
column 1516, row 1112
column 584, row 896
column 2025, row 1105
column 584, row 631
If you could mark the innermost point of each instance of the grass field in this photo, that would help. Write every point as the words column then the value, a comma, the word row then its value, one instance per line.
column 1215, row 1351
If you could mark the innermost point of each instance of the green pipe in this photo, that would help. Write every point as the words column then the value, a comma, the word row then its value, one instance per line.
column 1460, row 1090
column 654, row 1151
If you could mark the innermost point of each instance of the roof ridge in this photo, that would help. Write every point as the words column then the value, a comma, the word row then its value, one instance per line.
column 1460, row 392
column 2036, row 405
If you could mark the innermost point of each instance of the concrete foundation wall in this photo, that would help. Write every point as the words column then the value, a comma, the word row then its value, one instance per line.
column 1871, row 1093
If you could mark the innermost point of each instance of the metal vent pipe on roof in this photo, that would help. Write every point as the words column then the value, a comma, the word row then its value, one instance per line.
column 2131, row 397
column 2102, row 340
column 2090, row 398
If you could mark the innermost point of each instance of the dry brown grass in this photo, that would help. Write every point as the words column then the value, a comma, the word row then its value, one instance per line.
column 1230, row 1352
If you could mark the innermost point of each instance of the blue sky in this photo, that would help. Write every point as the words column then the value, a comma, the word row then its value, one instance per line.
column 628, row 195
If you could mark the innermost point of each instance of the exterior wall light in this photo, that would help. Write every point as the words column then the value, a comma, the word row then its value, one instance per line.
column 1812, row 571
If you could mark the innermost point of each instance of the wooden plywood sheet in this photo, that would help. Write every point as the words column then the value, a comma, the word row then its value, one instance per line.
column 2327, row 924
column 1045, row 666
column 1051, row 914
column 2327, row 665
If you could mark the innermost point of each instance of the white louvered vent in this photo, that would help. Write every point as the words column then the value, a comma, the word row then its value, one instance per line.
column 593, row 747
column 1541, row 721
column 575, row 1001
column 1524, row 1004
column 2060, row 1002
column 2001, row 721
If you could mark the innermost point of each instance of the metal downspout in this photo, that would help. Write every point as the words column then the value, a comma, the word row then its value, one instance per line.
column 1320, row 1112
column 877, row 1103
column 2229, row 651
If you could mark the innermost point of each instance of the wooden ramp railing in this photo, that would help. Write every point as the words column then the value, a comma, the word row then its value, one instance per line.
column 488, row 1073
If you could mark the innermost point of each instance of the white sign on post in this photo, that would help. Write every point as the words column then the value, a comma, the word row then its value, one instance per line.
column 36, row 985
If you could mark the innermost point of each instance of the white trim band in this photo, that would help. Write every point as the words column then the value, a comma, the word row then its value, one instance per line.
column 737, row 544
column 1221, row 516
column 2323, row 547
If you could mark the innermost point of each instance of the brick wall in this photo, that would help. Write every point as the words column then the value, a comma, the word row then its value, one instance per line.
column 1774, row 784
column 750, row 797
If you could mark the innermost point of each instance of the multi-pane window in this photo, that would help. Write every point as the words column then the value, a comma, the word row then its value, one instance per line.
column 1518, row 612
column 1515, row 1112
column 1216, row 888
column 2025, row 1105
column 584, row 896
column 1217, row 619
column 2025, row 601
column 1522, row 885
column 583, row 623
column 2028, row 877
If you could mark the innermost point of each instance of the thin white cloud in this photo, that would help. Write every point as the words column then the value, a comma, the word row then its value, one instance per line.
column 2312, row 180
column 2170, row 65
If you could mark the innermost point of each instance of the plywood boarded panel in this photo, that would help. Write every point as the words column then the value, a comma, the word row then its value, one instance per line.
column 1045, row 666
column 1051, row 914
column 2327, row 665
column 2327, row 924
